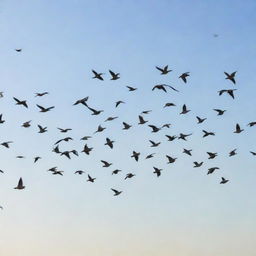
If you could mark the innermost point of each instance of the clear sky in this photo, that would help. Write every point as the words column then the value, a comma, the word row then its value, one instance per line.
column 184, row 212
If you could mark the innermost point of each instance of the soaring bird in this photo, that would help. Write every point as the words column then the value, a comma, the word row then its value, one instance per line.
column 80, row 172
column 64, row 130
column 171, row 138
column 141, row 120
column 90, row 179
column 129, row 176
column 251, row 124
column 43, row 109
column 85, row 138
column 183, row 136
column 196, row 164
column 40, row 94
column 150, row 156
column 219, row 111
column 65, row 139
column 200, row 120
column 87, row 150
column 232, row 152
column 82, row 101
column 94, row 111
column 154, row 128
column 114, row 75
column 42, row 129
column 100, row 129
column 26, row 124
column 116, row 192
column 126, row 126
column 66, row 154
column 18, row 50
column 111, row 118
column 212, row 169
column 145, row 112
column 36, row 158
column 231, row 77
column 20, row 184
column 184, row 110
column 211, row 155
column 187, row 151
column 229, row 91
column 97, row 75
column 116, row 171
column 135, row 155
column 154, row 144
column 119, row 102
column 170, row 159
column 105, row 163
column 56, row 150
column 169, row 104
column 223, row 180
column 21, row 102
column 6, row 143
column 184, row 76
column 207, row 133
column 162, row 87
column 238, row 129
column 131, row 89
column 163, row 70
column 157, row 171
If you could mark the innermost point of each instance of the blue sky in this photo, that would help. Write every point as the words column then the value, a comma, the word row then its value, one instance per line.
column 184, row 212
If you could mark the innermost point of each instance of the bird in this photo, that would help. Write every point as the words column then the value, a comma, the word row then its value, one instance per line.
column 20, row 157
column 64, row 130
column 20, row 185
column 116, row 192
column 169, row 104
column 80, row 172
column 58, row 173
column 1, row 94
column 145, row 112
column 211, row 155
column 162, row 87
column 116, row 171
column 100, row 129
column 184, row 136
column 157, row 171
column 135, row 155
column 87, row 150
column 105, row 163
column 129, row 176
column 219, row 111
column 150, row 156
column 229, row 91
column 74, row 152
column 38, row 94
column 251, row 124
column 119, row 102
column 21, row 102
column 36, row 158
column 166, row 126
column 56, row 149
column 109, row 142
column 184, row 110
column 1, row 207
column 97, row 75
column 233, row 152
column 18, row 50
column 154, row 128
column 85, row 138
column 196, row 164
column 231, row 77
column 114, row 75
column 141, row 120
column 82, row 101
column 66, row 153
column 187, row 151
column 1, row 119
column 6, row 144
column 90, row 179
column 184, row 76
column 171, row 138
column 253, row 153
column 111, row 118
column 94, row 111
column 131, row 89
column 42, row 129
column 238, row 129
column 170, row 159
column 154, row 144
column 44, row 110
column 126, row 126
column 207, row 133
column 65, row 139
column 200, row 120
column 223, row 180
column 163, row 70
column 1, row 171
column 212, row 169
column 26, row 124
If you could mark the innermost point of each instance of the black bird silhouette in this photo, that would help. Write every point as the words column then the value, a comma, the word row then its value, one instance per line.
column 251, row 124
column 146, row 112
column 66, row 153
column 6, row 144
column 219, row 111
column 94, row 111
column 116, row 171
column 126, row 126
column 21, row 102
column 86, row 138
column 200, row 120
column 253, row 153
column 56, row 150
column 105, row 163
column 36, row 158
column 229, row 91
column 171, row 138
column 162, row 87
column 111, row 118
column 116, row 192
column 100, row 129
column 157, row 171
column 150, row 156
column 42, row 129
column 169, row 104
column 187, row 151
column 87, row 150
column 97, row 75
column 141, row 120
column 109, row 142
column 184, row 76
column 238, row 129
column 154, row 128
column 184, row 110
column 64, row 130
column 90, row 179
column 231, row 77
column 82, row 101
column 114, row 75
column 164, row 70
column 211, row 155
column 135, row 155
column 38, row 94
column 212, row 169
column 18, row 50
column 154, row 144
column 170, row 159
column 43, row 110
column 184, row 136
column 80, row 172
column 233, row 152
column 65, row 139
column 207, row 133
column 223, row 180
column 196, row 164
column 131, row 89
column 129, row 176
column 1, row 119
column 166, row 126
column 119, row 102
column 20, row 185
column 26, row 124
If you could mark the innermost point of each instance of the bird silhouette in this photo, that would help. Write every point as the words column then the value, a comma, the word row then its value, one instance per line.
column 1, row 119
column 135, row 155
column 97, row 75
column 164, row 70
column 38, row 94
column 231, row 77
column 126, row 126
column 21, row 102
column 184, row 76
column 131, row 89
column 141, row 120
column 170, row 159
column 238, row 129
column 105, row 163
column 197, row 164
column 114, row 75
column 116, row 192
column 157, row 171
column 42, row 129
column 119, row 102
column 200, row 120
column 20, row 185
column 43, row 109
column 90, row 179
column 184, row 110
column 219, row 111
column 109, row 142
column 154, row 128
column 223, row 180
column 212, row 169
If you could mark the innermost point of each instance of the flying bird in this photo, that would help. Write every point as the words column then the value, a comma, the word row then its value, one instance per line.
column 131, row 89
column 135, row 155
column 116, row 192
column 38, row 94
column 43, row 109
column 20, row 185
column 184, row 110
column 21, row 102
column 97, row 75
column 164, row 70
column 238, row 129
column 114, row 75
column 184, row 76
column 231, row 77
column 223, row 180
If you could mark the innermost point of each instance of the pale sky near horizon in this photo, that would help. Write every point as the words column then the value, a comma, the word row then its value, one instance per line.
column 184, row 212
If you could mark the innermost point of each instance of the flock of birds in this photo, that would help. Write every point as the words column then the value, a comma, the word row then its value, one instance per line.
column 141, row 121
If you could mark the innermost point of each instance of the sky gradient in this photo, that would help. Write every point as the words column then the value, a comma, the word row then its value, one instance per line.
column 184, row 212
